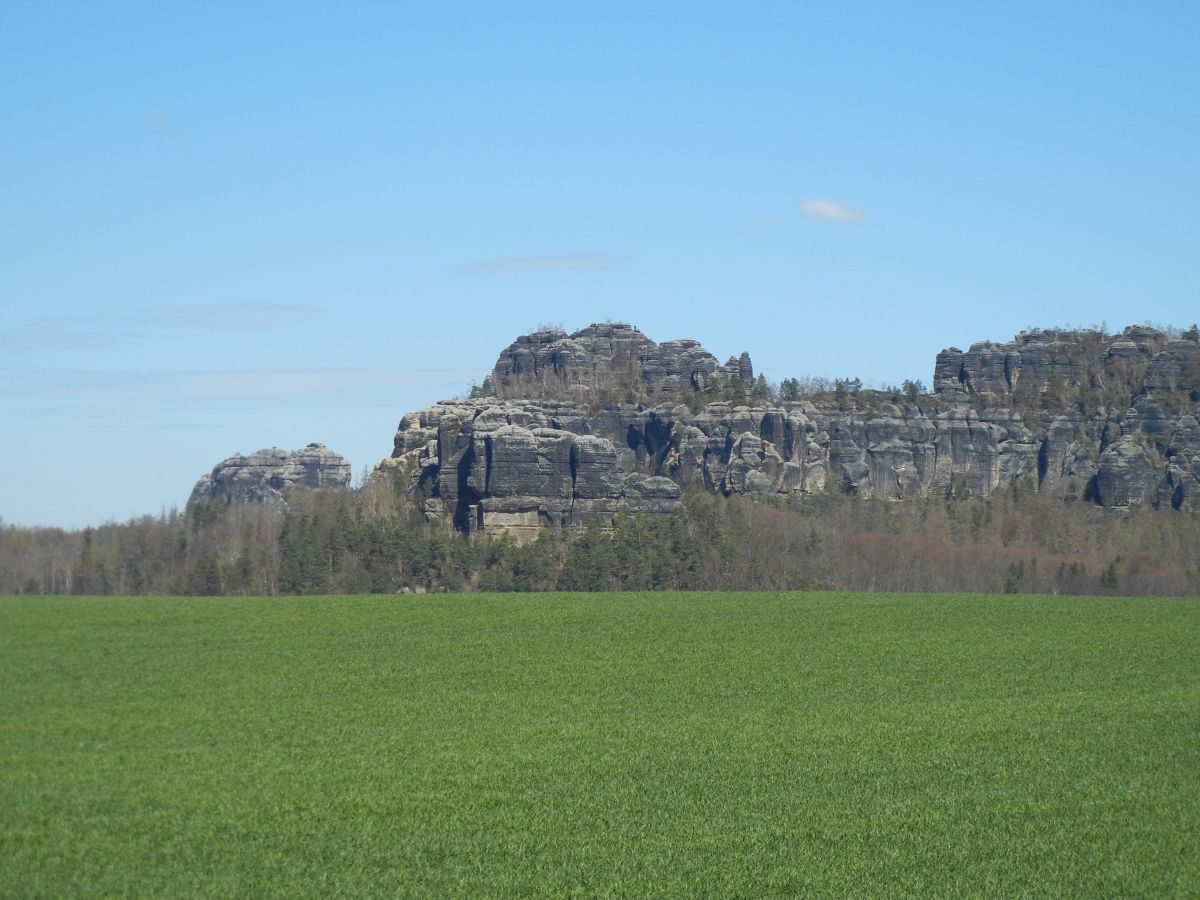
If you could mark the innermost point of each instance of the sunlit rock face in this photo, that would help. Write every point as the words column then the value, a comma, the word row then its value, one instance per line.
column 266, row 476
column 509, row 465
column 609, row 360
column 579, row 427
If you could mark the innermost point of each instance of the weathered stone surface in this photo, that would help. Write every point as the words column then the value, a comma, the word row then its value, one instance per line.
column 1126, row 476
column 608, row 362
column 1175, row 370
column 648, row 493
column 1032, row 410
column 515, row 466
column 1062, row 362
column 266, row 476
column 594, row 465
column 1181, row 487
column 1066, row 463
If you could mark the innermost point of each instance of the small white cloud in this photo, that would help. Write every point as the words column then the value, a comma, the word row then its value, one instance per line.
column 831, row 211
column 538, row 265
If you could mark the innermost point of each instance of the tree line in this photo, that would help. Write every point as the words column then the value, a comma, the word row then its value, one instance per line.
column 375, row 540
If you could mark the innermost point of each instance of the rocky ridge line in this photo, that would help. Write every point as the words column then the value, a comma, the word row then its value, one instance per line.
column 609, row 360
column 1111, row 420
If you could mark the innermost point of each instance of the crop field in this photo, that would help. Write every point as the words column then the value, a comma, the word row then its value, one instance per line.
column 607, row 744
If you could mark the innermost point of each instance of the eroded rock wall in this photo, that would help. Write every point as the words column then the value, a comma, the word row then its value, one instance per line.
column 497, row 466
column 608, row 360
column 1085, row 416
column 266, row 476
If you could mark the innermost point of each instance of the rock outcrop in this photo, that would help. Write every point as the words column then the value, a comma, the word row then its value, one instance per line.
column 496, row 466
column 610, row 361
column 1064, row 363
column 582, row 426
column 266, row 476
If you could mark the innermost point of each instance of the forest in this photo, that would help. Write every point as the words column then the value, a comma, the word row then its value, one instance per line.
column 374, row 539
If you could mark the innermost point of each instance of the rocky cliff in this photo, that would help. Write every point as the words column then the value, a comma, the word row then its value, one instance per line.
column 496, row 465
column 578, row 427
column 610, row 361
column 266, row 476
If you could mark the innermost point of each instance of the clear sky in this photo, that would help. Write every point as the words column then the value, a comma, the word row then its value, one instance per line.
column 233, row 226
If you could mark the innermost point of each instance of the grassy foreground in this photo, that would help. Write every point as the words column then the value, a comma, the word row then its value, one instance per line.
column 621, row 744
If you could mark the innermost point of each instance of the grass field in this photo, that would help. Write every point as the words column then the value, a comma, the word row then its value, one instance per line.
column 621, row 744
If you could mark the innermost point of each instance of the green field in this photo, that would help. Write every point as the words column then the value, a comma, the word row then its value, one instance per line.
column 619, row 744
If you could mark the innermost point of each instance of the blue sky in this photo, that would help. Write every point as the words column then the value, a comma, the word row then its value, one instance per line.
column 232, row 226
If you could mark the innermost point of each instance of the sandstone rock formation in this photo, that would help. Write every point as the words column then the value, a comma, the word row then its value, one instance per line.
column 580, row 426
column 266, row 476
column 496, row 466
column 1038, row 361
column 609, row 361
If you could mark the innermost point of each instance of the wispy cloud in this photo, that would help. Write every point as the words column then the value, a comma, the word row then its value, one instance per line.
column 539, row 265
column 75, row 394
column 302, row 386
column 231, row 316
column 766, row 221
column 44, row 339
column 89, row 331
column 831, row 211
column 106, row 411
column 177, row 426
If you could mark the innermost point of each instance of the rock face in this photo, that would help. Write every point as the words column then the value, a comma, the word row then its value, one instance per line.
column 1114, row 414
column 496, row 466
column 1037, row 362
column 610, row 361
column 266, row 476
column 1112, row 420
